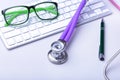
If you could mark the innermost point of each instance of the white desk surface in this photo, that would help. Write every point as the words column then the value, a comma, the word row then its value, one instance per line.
column 30, row 62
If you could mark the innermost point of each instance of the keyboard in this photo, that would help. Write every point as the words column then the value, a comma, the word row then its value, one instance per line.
column 15, row 36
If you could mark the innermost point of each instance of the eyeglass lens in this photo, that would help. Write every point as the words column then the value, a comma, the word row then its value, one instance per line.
column 16, row 15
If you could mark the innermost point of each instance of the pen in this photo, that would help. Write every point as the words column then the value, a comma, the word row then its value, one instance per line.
column 101, row 47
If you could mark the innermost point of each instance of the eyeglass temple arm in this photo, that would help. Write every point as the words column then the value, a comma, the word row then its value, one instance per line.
column 17, row 13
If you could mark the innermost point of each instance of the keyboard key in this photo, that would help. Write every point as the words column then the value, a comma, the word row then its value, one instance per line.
column 26, row 36
column 104, row 9
column 68, row 2
column 10, row 41
column 24, row 29
column 67, row 9
column 12, row 33
column 76, row 1
column 92, row 14
column 67, row 15
column 32, row 27
column 73, row 7
column 34, row 19
column 1, row 18
column 98, row 11
column 85, row 9
column 54, row 21
column 85, row 16
column 61, row 11
column 62, row 1
column 72, row 13
column 61, row 5
column 39, row 24
column 98, row 5
column 34, row 33
column 56, row 1
column 93, row 1
column 6, row 29
column 2, row 24
column 18, row 38
column 45, row 23
column 61, row 17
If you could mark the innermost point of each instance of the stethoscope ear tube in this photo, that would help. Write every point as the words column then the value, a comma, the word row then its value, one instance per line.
column 57, row 54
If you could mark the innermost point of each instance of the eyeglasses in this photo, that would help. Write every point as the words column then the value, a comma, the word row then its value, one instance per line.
column 20, row 14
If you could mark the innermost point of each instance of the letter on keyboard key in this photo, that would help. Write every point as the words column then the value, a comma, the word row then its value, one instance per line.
column 10, row 41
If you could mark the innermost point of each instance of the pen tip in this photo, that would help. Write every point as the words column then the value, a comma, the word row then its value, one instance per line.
column 101, row 57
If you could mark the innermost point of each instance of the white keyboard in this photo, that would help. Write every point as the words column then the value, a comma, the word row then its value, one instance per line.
column 37, row 29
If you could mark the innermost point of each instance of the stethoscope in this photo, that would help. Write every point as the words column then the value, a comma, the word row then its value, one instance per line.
column 57, row 54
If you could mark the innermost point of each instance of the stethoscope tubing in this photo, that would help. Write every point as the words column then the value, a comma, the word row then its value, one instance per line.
column 72, row 24
column 58, row 54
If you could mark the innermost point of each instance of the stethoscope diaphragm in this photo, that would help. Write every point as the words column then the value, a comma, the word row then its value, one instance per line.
column 57, row 57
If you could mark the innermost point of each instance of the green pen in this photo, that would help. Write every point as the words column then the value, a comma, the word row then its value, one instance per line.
column 101, row 47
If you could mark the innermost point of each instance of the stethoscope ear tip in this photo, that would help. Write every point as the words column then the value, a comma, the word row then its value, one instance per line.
column 57, row 57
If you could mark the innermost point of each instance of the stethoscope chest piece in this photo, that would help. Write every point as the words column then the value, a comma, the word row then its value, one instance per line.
column 57, row 57
column 57, row 54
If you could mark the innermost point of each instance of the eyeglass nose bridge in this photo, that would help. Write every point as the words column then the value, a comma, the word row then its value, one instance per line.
column 31, row 9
